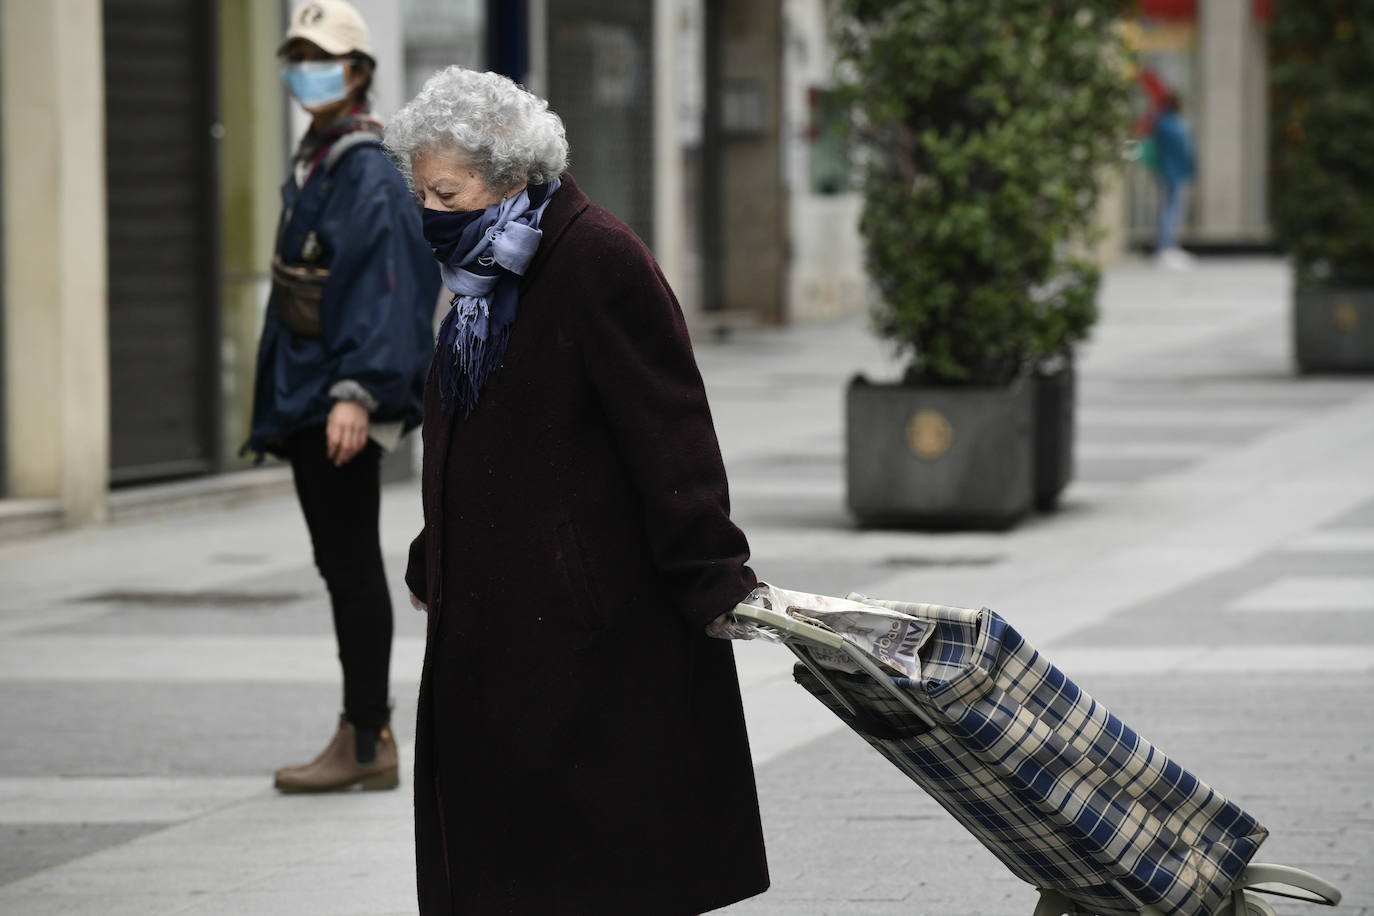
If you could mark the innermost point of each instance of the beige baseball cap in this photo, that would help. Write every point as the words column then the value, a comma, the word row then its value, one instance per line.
column 334, row 25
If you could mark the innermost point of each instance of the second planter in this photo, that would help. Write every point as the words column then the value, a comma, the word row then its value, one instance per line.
column 940, row 457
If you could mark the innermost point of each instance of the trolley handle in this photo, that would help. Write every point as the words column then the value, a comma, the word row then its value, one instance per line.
column 776, row 620
column 809, row 632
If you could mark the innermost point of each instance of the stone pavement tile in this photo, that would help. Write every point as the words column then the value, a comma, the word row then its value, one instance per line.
column 1289, row 659
column 334, row 850
column 1335, row 540
column 1125, row 470
column 1114, row 428
column 184, row 730
column 1309, row 594
column 95, row 879
column 184, row 552
column 29, row 848
column 301, row 901
column 1204, row 612
column 65, row 903
column 1361, row 516
column 141, row 657
column 818, row 575
column 294, row 603
column 825, row 512
column 117, row 800
column 842, row 823
column 780, row 720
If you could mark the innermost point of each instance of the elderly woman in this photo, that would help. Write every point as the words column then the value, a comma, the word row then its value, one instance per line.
column 580, row 746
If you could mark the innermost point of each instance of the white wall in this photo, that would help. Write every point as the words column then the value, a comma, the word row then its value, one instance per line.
column 56, row 355
column 826, row 271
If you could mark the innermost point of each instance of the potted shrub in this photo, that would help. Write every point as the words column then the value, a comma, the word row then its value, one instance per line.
column 1323, row 176
column 986, row 127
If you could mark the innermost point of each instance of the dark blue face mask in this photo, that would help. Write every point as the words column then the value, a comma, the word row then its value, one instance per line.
column 451, row 233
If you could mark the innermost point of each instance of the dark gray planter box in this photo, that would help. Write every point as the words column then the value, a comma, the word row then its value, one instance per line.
column 1054, row 412
column 1333, row 328
column 940, row 457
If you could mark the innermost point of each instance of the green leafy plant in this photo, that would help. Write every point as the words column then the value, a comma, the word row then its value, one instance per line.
column 986, row 127
column 1322, row 72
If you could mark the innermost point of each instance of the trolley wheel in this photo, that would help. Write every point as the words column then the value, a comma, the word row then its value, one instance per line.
column 1253, row 906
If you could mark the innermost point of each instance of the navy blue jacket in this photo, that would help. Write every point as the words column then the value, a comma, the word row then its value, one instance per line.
column 376, row 309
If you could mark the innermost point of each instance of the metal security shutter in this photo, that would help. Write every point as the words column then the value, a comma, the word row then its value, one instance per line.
column 601, row 82
column 164, row 316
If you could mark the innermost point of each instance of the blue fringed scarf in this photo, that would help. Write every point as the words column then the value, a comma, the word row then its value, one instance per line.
column 482, row 256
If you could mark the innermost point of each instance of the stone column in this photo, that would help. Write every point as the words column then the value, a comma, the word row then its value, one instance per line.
column 253, row 155
column 669, row 219
column 1220, row 131
column 55, row 298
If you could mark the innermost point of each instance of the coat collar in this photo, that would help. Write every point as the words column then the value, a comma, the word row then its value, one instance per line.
column 567, row 205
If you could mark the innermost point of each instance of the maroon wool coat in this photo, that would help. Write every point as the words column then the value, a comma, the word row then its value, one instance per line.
column 581, row 746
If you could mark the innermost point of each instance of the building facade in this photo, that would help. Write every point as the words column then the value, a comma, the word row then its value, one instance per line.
column 142, row 144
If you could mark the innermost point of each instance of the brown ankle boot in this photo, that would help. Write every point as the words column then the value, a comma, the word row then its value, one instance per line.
column 337, row 768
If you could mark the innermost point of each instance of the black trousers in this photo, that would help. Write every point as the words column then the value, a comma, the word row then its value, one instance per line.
column 342, row 509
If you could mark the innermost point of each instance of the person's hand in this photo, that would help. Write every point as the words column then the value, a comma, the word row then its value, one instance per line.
column 417, row 603
column 346, row 431
column 727, row 627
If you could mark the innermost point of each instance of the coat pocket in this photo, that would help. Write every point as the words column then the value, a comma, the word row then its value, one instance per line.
column 572, row 562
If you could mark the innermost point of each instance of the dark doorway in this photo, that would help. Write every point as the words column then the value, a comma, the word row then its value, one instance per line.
column 160, row 109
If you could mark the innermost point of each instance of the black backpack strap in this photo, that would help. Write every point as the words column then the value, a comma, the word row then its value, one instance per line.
column 346, row 144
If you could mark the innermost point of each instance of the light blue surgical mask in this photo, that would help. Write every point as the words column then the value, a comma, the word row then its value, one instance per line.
column 316, row 82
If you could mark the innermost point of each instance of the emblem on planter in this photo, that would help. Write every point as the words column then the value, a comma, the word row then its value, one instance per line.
column 1344, row 316
column 929, row 434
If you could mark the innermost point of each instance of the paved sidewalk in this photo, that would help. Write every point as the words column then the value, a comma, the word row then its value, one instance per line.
column 1210, row 578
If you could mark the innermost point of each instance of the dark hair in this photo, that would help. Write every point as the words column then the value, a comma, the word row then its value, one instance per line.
column 1171, row 102
column 358, row 59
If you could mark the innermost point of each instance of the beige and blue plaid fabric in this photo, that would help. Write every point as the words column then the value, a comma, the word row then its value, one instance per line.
column 1060, row 790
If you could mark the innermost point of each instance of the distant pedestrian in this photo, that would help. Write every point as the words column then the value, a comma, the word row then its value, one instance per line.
column 1173, row 163
column 341, row 365
column 580, row 742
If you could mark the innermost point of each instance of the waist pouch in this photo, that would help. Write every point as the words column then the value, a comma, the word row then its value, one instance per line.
column 297, row 292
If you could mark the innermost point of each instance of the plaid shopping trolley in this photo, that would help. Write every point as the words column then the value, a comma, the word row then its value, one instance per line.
column 1061, row 791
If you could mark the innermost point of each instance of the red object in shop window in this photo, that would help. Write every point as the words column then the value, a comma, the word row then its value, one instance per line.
column 1187, row 9
column 1169, row 9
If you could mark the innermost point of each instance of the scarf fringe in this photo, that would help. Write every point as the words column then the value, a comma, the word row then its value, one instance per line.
column 474, row 353
column 473, row 336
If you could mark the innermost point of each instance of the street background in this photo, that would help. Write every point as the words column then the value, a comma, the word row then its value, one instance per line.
column 712, row 129
column 1210, row 578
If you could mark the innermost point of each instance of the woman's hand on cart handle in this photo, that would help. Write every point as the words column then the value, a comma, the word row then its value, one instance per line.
column 726, row 627
column 417, row 603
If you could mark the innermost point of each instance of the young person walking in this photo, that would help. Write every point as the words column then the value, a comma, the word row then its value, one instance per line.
column 1173, row 163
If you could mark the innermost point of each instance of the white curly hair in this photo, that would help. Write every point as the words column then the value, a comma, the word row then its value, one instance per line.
column 501, row 131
